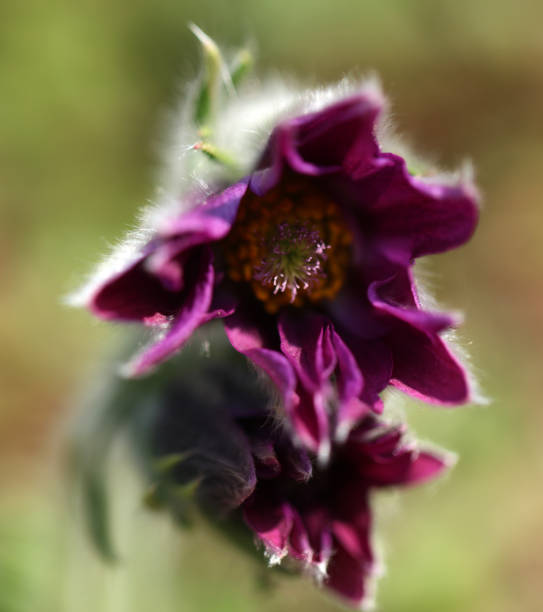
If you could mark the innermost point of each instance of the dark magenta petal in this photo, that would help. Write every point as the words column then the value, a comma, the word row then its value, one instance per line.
column 425, row 368
column 339, row 137
column 317, row 521
column 381, row 457
column 298, row 544
column 306, row 343
column 211, row 220
column 425, row 467
column 271, row 521
column 309, row 419
column 376, row 439
column 133, row 295
column 267, row 464
column 151, row 285
column 425, row 216
column 350, row 384
column 347, row 577
column 351, row 508
column 404, row 468
column 432, row 322
column 190, row 316
column 349, row 379
column 354, row 316
column 374, row 358
column 249, row 336
column 223, row 304
column 169, row 259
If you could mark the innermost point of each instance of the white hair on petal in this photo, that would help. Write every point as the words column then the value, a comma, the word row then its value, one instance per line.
column 120, row 257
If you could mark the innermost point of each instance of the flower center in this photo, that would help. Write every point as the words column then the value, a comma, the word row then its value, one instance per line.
column 291, row 245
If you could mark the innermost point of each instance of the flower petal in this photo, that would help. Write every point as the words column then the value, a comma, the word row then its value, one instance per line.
column 270, row 520
column 425, row 467
column 432, row 322
column 425, row 368
column 350, row 383
column 426, row 216
column 309, row 419
column 209, row 221
column 133, row 295
column 347, row 577
column 249, row 336
column 306, row 343
column 338, row 137
column 318, row 527
column 299, row 546
column 190, row 316
column 374, row 358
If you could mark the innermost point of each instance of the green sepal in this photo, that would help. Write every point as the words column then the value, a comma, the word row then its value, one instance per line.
column 96, row 508
column 207, row 99
column 241, row 66
column 217, row 155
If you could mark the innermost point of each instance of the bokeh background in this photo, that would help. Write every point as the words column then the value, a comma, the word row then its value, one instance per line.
column 84, row 88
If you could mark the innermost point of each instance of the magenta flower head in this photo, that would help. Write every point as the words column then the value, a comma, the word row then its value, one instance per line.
column 214, row 433
column 308, row 257
column 324, row 523
column 218, row 431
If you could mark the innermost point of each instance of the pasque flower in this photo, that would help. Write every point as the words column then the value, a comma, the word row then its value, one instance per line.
column 220, row 434
column 309, row 261
column 326, row 522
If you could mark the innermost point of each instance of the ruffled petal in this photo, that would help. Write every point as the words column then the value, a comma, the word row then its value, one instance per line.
column 383, row 298
column 374, row 358
column 270, row 520
column 339, row 138
column 423, row 366
column 424, row 216
column 350, row 383
column 347, row 577
column 298, row 544
column 209, row 221
column 250, row 337
column 425, row 466
column 318, row 527
column 306, row 343
column 190, row 316
column 133, row 295
column 405, row 467
column 309, row 420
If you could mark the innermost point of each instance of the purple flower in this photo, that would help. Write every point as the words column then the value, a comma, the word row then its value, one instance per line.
column 309, row 261
column 217, row 430
column 323, row 519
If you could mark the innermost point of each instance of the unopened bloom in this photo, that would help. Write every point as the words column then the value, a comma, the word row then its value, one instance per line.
column 318, row 517
column 325, row 523
column 308, row 259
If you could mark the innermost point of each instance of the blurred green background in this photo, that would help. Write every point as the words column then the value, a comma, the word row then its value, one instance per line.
column 85, row 86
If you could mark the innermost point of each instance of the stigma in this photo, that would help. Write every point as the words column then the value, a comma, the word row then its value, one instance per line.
column 290, row 245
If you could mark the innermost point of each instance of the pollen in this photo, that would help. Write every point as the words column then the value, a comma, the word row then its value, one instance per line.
column 291, row 246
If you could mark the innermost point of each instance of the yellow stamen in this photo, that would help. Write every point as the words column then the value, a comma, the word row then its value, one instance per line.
column 291, row 245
